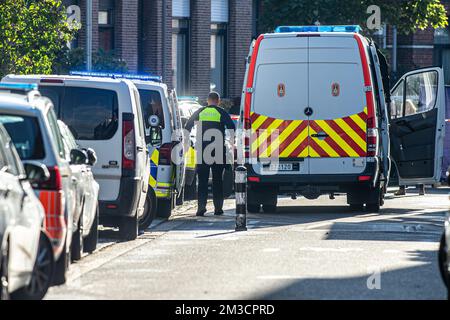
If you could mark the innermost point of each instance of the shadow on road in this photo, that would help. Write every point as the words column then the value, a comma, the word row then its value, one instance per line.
column 409, row 283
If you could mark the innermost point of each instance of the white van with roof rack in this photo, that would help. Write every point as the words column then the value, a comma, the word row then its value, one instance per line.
column 105, row 114
column 318, row 119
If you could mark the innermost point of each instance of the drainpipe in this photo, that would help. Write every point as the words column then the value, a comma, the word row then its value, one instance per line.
column 164, row 20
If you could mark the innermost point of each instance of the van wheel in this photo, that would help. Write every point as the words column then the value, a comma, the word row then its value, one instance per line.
column 149, row 212
column 41, row 277
column 253, row 208
column 77, row 241
column 269, row 208
column 91, row 241
column 443, row 264
column 356, row 207
column 190, row 192
column 165, row 208
column 376, row 196
column 129, row 228
column 61, row 267
column 228, row 181
column 4, row 275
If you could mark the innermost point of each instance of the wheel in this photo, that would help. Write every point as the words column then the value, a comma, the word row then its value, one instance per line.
column 228, row 182
column 376, row 196
column 190, row 191
column 253, row 208
column 356, row 207
column 4, row 275
column 129, row 228
column 164, row 208
column 149, row 212
column 77, row 241
column 269, row 208
column 61, row 267
column 41, row 278
column 443, row 264
column 91, row 241
column 180, row 198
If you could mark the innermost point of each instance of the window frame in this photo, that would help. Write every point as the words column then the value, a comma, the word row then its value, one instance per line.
column 222, row 29
column 186, row 31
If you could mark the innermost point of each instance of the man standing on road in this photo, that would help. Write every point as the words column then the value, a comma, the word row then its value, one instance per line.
column 210, row 120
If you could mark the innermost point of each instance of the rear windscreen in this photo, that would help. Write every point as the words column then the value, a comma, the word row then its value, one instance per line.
column 26, row 136
column 151, row 104
column 90, row 114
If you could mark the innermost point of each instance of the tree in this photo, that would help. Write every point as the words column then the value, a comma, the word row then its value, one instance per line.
column 33, row 35
column 407, row 15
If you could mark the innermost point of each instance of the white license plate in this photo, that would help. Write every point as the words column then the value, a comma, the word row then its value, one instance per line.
column 282, row 167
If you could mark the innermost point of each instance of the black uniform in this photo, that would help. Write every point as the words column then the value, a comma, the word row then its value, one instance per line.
column 210, row 117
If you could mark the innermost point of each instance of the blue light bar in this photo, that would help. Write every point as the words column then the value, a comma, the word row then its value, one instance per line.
column 285, row 29
column 26, row 87
column 116, row 76
column 186, row 98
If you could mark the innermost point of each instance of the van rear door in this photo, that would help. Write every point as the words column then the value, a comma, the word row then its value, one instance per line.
column 279, row 126
column 338, row 106
column 418, row 126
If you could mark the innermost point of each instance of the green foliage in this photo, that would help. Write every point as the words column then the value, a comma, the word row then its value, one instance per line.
column 407, row 15
column 33, row 35
column 75, row 60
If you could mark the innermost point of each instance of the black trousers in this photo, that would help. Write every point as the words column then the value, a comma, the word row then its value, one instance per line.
column 217, row 180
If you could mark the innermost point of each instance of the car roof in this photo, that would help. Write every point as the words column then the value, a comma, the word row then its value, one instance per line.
column 19, row 103
column 37, row 78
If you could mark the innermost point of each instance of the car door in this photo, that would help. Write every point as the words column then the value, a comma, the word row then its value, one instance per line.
column 418, row 126
column 180, row 166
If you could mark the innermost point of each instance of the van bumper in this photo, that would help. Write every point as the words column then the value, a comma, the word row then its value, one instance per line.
column 126, row 203
column 323, row 184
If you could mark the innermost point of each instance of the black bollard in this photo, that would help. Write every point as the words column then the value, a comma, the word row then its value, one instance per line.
column 241, row 198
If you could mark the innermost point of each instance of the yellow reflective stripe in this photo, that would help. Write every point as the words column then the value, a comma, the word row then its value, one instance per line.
column 337, row 138
column 360, row 122
column 162, row 194
column 165, row 184
column 324, row 145
column 152, row 182
column 210, row 114
column 190, row 158
column 301, row 137
column 344, row 126
column 312, row 153
column 258, row 122
column 266, row 133
column 281, row 138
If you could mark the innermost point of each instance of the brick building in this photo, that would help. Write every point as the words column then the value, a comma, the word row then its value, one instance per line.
column 195, row 45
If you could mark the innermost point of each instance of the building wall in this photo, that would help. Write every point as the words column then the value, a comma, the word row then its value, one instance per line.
column 127, row 32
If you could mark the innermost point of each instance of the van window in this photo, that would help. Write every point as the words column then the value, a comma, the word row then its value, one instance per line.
column 421, row 92
column 397, row 101
column 26, row 136
column 151, row 104
column 90, row 114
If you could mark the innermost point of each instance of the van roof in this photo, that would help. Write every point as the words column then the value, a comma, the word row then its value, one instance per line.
column 310, row 34
column 39, row 78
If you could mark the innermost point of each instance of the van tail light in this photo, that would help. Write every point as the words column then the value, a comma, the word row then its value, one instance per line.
column 129, row 145
column 55, row 181
column 372, row 138
column 165, row 154
column 364, row 178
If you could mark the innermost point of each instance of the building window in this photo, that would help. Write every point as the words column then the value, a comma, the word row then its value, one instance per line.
column 180, row 55
column 218, row 58
column 106, row 24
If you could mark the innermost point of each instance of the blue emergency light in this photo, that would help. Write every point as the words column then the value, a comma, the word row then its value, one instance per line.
column 186, row 98
column 117, row 76
column 350, row 28
column 26, row 87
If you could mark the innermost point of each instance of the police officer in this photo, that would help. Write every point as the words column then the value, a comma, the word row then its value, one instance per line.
column 211, row 121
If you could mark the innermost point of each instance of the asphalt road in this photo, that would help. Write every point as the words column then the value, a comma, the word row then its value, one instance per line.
column 308, row 250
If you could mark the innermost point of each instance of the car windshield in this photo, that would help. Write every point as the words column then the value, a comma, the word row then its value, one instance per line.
column 26, row 136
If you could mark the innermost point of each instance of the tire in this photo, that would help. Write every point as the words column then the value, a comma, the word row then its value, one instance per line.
column 77, row 242
column 228, row 182
column 443, row 267
column 91, row 241
column 269, row 208
column 4, row 275
column 190, row 192
column 164, row 208
column 253, row 208
column 61, row 267
column 41, row 278
column 149, row 212
column 129, row 228
column 357, row 207
column 374, row 207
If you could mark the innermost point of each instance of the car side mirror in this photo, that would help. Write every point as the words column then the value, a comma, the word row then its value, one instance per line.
column 36, row 173
column 78, row 157
column 92, row 156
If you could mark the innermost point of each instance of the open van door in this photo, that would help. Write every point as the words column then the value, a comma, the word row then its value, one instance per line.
column 178, row 138
column 418, row 126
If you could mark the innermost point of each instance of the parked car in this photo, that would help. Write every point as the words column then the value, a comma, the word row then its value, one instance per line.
column 104, row 114
column 32, row 124
column 85, row 223
column 26, row 254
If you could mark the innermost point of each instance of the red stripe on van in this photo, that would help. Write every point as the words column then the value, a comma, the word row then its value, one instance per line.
column 367, row 78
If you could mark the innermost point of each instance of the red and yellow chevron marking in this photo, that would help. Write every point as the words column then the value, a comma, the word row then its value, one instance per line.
column 346, row 137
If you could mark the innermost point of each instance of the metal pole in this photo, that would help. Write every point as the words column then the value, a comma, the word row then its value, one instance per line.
column 394, row 51
column 89, row 35
column 241, row 198
column 164, row 21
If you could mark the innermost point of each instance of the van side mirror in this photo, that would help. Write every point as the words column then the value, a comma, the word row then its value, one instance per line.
column 78, row 157
column 91, row 156
column 36, row 173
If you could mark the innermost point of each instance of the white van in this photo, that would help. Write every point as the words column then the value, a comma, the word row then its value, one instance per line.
column 316, row 111
column 104, row 114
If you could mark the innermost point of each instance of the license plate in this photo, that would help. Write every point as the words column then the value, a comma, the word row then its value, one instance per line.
column 285, row 167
